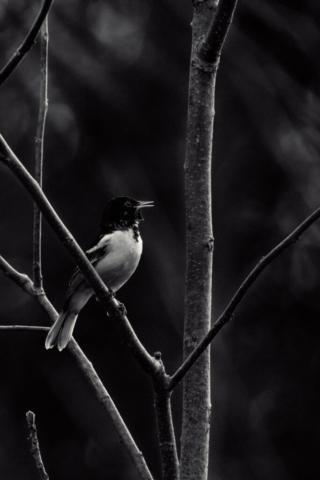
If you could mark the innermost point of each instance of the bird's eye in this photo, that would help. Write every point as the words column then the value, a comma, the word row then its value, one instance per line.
column 127, row 204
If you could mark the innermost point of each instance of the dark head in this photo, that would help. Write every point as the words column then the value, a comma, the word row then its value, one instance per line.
column 122, row 212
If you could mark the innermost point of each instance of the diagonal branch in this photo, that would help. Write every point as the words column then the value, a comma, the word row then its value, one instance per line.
column 24, row 282
column 85, row 366
column 236, row 299
column 108, row 405
column 27, row 44
column 153, row 366
column 37, row 219
column 148, row 363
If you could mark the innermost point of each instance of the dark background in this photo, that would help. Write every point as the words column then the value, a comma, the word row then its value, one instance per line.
column 116, row 126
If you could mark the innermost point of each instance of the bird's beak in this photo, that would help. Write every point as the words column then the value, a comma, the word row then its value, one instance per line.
column 145, row 204
column 140, row 206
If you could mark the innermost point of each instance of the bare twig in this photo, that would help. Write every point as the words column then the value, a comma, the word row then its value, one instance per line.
column 236, row 299
column 22, row 280
column 37, row 220
column 35, row 449
column 27, row 285
column 106, row 401
column 85, row 366
column 27, row 44
column 24, row 327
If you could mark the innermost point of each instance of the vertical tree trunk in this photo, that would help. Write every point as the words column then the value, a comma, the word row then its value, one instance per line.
column 196, row 393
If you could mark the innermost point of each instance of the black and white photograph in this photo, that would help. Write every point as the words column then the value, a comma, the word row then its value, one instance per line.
column 159, row 240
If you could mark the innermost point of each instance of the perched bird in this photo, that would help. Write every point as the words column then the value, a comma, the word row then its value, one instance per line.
column 115, row 255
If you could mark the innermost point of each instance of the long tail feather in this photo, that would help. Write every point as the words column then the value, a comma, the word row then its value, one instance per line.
column 67, row 329
column 61, row 332
column 52, row 337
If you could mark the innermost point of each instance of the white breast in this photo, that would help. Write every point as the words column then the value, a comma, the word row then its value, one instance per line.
column 122, row 258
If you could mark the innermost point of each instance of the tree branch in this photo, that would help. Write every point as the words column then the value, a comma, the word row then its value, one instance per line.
column 236, row 299
column 199, row 243
column 209, row 48
column 24, row 327
column 151, row 365
column 27, row 44
column 43, row 108
column 85, row 366
column 167, row 442
column 106, row 401
column 35, row 449
column 148, row 363
column 24, row 282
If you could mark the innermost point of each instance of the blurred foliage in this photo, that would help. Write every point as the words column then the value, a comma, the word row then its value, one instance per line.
column 116, row 126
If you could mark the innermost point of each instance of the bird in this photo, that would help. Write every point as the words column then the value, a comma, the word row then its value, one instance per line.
column 115, row 254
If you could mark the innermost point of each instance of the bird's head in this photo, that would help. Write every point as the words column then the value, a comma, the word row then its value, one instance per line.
column 123, row 211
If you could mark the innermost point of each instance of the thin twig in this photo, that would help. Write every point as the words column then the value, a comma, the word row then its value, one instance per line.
column 236, row 299
column 108, row 405
column 43, row 108
column 85, row 366
column 35, row 449
column 27, row 44
column 24, row 327
column 26, row 284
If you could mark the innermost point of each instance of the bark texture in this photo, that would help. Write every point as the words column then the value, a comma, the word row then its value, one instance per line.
column 196, row 393
column 35, row 448
column 167, row 443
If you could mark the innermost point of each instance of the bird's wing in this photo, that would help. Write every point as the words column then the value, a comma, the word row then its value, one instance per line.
column 94, row 255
